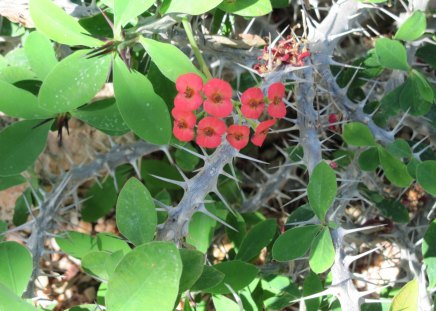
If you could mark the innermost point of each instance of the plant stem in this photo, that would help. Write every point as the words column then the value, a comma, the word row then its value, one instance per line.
column 187, row 26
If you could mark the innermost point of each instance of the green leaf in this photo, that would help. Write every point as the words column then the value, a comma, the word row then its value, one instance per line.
column 3, row 229
column 413, row 28
column 10, row 181
column 400, row 149
column 101, row 263
column 395, row 170
column 52, row 21
column 429, row 253
column 394, row 210
column 73, row 82
column 185, row 160
column 238, row 274
column 124, row 11
column 321, row 189
column 302, row 213
column 201, row 229
column 312, row 285
column 15, row 266
column 237, row 222
column 295, row 242
column 77, row 244
column 168, row 58
column 247, row 7
column 426, row 176
column 369, row 160
column 417, row 94
column 85, row 307
column 427, row 53
column 10, row 301
column 20, row 146
column 40, row 53
column 391, row 54
column 147, row 278
column 412, row 167
column 13, row 74
column 135, row 213
column 407, row 297
column 322, row 253
column 358, row 134
column 210, row 277
column 103, row 115
column 256, row 239
column 111, row 243
column 192, row 7
column 18, row 103
column 142, row 110
column 222, row 303
column 193, row 264
column 22, row 207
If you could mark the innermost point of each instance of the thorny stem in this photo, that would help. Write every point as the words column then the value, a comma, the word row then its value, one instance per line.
column 203, row 66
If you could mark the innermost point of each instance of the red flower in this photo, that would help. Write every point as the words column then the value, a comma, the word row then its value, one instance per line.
column 261, row 132
column 238, row 135
column 184, row 122
column 252, row 103
column 189, row 86
column 209, row 132
column 276, row 108
column 219, row 98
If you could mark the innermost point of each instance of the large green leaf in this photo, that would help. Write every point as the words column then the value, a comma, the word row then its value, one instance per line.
column 322, row 253
column 136, row 213
column 10, row 301
column 395, row 170
column 193, row 265
column 413, row 28
column 124, row 11
column 295, row 242
column 256, row 239
column 192, row 7
column 52, row 21
column 18, row 103
column 322, row 188
column 429, row 253
column 77, row 244
column 10, row 181
column 407, row 297
column 73, row 82
column 426, row 176
column 416, row 95
column 15, row 266
column 201, row 229
column 101, row 263
column 222, row 303
column 13, row 74
column 20, row 145
column 168, row 58
column 391, row 54
column 147, row 278
column 210, row 277
column 40, row 53
column 247, row 7
column 238, row 274
column 368, row 160
column 358, row 134
column 142, row 110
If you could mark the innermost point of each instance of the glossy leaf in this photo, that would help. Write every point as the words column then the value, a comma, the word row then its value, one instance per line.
column 358, row 134
column 312, row 285
column 395, row 170
column 15, row 266
column 52, row 21
column 13, row 74
column 20, row 146
column 73, row 82
column 247, row 7
column 169, row 59
column 101, row 263
column 111, row 243
column 322, row 253
column 407, row 297
column 256, row 239
column 147, row 278
column 11, row 301
column 210, row 277
column 142, row 110
column 124, row 11
column 413, row 28
column 238, row 275
column 369, row 160
column 321, row 189
column 40, row 53
column 429, row 253
column 192, row 7
column 426, row 176
column 77, row 244
column 295, row 242
column 193, row 264
column 18, row 103
column 136, row 214
column 391, row 54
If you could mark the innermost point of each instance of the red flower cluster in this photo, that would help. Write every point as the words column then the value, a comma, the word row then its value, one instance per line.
column 288, row 52
column 216, row 97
